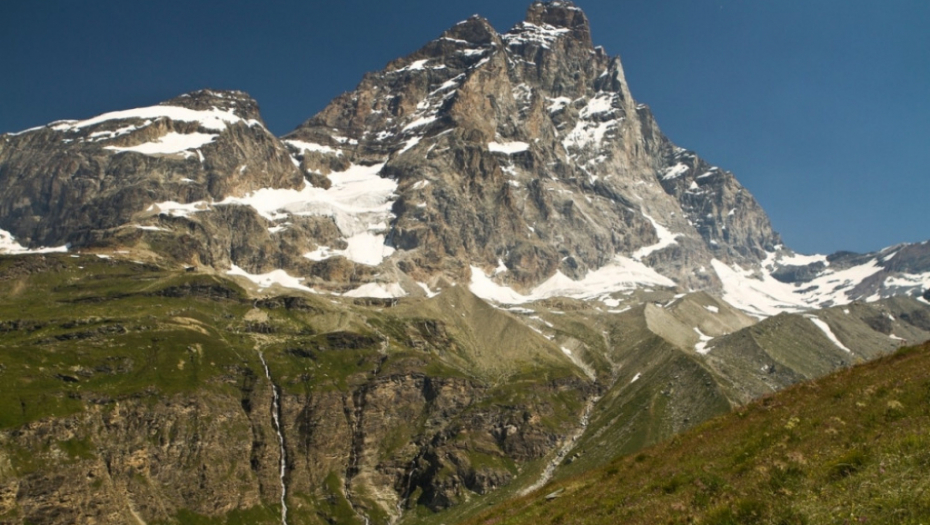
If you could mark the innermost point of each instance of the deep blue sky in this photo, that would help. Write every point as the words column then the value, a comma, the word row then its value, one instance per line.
column 820, row 107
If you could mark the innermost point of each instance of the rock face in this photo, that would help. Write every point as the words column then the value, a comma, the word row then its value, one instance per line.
column 522, row 150
column 211, row 454
column 528, row 148
column 65, row 182
column 119, row 179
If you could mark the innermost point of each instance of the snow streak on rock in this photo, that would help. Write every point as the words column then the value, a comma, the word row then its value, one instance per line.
column 213, row 119
column 825, row 328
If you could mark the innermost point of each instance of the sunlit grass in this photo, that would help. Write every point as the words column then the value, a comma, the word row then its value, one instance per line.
column 853, row 447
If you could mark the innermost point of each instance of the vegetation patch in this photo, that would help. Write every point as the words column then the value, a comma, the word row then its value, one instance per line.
column 819, row 452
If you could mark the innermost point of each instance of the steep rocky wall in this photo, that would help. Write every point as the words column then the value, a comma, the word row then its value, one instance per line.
column 393, row 441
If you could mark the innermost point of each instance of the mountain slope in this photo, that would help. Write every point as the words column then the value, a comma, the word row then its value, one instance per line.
column 131, row 388
column 482, row 269
column 846, row 448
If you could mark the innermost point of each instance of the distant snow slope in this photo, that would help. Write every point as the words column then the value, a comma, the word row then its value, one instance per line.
column 621, row 274
column 758, row 293
column 8, row 245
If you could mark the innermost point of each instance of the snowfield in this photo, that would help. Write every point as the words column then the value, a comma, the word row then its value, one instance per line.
column 621, row 274
column 761, row 295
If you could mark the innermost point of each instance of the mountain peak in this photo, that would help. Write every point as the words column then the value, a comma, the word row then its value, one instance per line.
column 238, row 102
column 475, row 30
column 560, row 15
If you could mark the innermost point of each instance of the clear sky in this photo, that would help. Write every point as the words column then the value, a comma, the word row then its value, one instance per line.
column 820, row 107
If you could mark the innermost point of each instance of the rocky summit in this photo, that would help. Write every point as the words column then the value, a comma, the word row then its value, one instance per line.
column 483, row 269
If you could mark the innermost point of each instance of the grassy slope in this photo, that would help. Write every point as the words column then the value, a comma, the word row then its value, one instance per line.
column 78, row 327
column 96, row 330
column 788, row 348
column 853, row 447
column 671, row 392
column 82, row 330
column 115, row 328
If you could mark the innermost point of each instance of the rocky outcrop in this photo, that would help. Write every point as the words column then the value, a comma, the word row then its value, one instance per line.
column 131, row 460
column 71, row 180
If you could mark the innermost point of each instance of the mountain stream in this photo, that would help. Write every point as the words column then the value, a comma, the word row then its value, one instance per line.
column 276, row 418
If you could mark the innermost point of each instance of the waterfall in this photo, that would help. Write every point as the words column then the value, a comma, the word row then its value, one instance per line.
column 276, row 418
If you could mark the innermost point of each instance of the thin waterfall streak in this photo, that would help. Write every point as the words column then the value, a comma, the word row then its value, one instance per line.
column 276, row 418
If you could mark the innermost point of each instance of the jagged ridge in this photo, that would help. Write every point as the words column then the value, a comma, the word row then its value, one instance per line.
column 522, row 151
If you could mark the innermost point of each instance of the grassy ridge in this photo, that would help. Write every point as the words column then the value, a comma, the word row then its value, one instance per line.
column 853, row 447
column 78, row 330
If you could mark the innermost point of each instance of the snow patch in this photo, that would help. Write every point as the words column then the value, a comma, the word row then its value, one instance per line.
column 586, row 133
column 797, row 259
column 508, row 148
column 9, row 246
column 364, row 248
column 417, row 66
column 917, row 281
column 169, row 143
column 825, row 328
column 501, row 267
column 429, row 293
column 420, row 122
column 213, row 119
column 526, row 33
column 310, row 146
column 177, row 209
column 761, row 295
column 411, row 142
column 600, row 104
column 151, row 228
column 557, row 104
column 266, row 280
column 675, row 171
column 358, row 200
column 98, row 136
column 377, row 290
column 701, row 346
column 449, row 84
column 666, row 239
column 619, row 275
